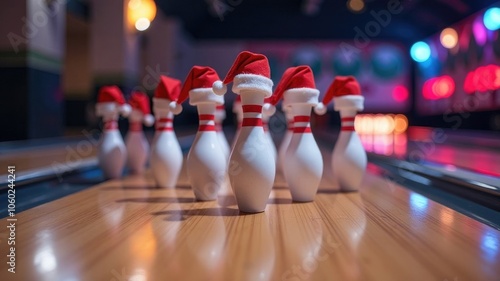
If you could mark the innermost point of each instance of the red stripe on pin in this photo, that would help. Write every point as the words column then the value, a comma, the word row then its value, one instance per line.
column 251, row 122
column 347, row 119
column 110, row 125
column 206, row 117
column 206, row 128
column 252, row 108
column 347, row 128
column 165, row 129
column 301, row 130
column 135, row 126
column 165, row 120
column 301, row 118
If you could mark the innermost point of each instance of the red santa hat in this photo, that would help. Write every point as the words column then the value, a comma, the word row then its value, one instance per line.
column 167, row 91
column 296, row 86
column 346, row 94
column 198, row 87
column 249, row 71
column 111, row 98
column 140, row 101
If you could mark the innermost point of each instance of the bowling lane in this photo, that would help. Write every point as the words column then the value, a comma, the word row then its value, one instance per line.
column 457, row 169
column 462, row 149
column 129, row 230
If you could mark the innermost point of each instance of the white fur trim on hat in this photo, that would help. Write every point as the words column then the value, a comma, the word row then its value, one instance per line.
column 204, row 95
column 253, row 82
column 320, row 108
column 149, row 120
column 300, row 96
column 268, row 109
column 125, row 109
column 102, row 108
column 219, row 88
column 175, row 107
column 349, row 102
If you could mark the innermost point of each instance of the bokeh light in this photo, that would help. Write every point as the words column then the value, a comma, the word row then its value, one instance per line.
column 491, row 18
column 449, row 38
column 420, row 51
column 479, row 32
column 400, row 123
column 356, row 5
column 142, row 24
column 380, row 124
column 140, row 13
column 400, row 93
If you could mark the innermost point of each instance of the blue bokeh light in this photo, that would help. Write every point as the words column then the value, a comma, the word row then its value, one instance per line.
column 491, row 18
column 420, row 51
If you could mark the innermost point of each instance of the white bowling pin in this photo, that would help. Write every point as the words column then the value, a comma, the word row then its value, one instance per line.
column 251, row 166
column 303, row 167
column 166, row 153
column 286, row 139
column 349, row 157
column 136, row 143
column 206, row 161
column 220, row 115
column 112, row 152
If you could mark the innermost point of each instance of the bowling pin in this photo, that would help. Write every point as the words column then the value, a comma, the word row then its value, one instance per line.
column 166, row 154
column 349, row 156
column 112, row 153
column 135, row 142
column 286, row 138
column 220, row 115
column 303, row 167
column 206, row 161
column 251, row 169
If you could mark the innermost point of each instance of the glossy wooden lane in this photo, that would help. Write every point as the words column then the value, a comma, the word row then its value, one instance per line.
column 49, row 156
column 129, row 230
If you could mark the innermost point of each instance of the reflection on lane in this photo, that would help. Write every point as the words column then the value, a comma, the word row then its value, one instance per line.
column 490, row 244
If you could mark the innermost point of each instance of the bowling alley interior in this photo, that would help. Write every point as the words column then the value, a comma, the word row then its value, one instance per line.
column 250, row 140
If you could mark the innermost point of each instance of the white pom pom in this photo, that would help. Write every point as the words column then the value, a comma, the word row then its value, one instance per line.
column 175, row 107
column 125, row 110
column 320, row 109
column 268, row 109
column 149, row 120
column 219, row 88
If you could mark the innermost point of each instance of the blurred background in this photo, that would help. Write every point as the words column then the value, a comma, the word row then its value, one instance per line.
column 421, row 63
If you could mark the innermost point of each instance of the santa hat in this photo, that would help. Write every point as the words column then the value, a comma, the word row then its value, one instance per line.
column 249, row 71
column 297, row 86
column 167, row 91
column 198, row 87
column 346, row 94
column 111, row 98
column 140, row 101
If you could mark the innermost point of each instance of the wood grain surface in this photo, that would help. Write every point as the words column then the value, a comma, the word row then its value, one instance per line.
column 130, row 230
